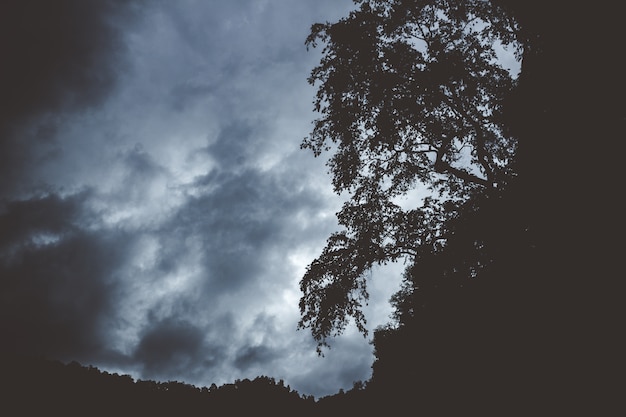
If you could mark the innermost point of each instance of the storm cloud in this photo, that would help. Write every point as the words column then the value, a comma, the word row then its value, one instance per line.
column 156, row 212
column 57, row 57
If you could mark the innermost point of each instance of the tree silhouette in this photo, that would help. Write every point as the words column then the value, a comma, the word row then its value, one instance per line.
column 506, row 307
column 37, row 386
column 410, row 95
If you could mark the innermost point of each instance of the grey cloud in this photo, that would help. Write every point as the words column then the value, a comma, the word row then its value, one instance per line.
column 239, row 222
column 57, row 291
column 150, row 270
column 139, row 170
column 241, row 52
column 57, row 56
column 184, row 348
column 169, row 346
column 187, row 94
column 23, row 221
column 348, row 361
column 232, row 146
column 141, row 163
column 249, row 356
column 267, row 347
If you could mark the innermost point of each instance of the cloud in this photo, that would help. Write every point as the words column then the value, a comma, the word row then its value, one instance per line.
column 170, row 346
column 57, row 286
column 348, row 360
column 40, row 218
column 249, row 356
column 185, row 95
column 157, row 212
column 57, row 57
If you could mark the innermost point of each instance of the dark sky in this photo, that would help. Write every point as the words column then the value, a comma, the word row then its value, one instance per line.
column 156, row 212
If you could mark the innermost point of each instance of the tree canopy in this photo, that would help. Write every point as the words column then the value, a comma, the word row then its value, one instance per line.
column 410, row 96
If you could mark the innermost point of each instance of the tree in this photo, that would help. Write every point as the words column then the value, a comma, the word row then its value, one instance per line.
column 410, row 95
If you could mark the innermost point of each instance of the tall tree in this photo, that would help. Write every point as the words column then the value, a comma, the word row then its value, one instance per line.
column 410, row 96
column 543, row 328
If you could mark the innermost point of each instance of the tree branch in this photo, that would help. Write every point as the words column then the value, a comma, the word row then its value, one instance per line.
column 442, row 167
column 480, row 137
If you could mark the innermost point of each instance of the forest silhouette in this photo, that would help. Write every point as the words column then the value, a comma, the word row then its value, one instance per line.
column 529, row 336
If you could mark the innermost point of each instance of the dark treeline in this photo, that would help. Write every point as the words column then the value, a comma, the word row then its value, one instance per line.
column 35, row 386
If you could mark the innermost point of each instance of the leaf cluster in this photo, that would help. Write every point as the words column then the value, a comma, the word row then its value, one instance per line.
column 410, row 95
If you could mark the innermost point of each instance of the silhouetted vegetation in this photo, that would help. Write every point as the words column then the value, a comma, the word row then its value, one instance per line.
column 411, row 95
column 37, row 386
column 501, row 309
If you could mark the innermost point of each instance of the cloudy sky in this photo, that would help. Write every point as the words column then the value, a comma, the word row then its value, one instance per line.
column 156, row 212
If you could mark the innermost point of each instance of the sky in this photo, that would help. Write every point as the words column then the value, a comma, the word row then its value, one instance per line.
column 156, row 210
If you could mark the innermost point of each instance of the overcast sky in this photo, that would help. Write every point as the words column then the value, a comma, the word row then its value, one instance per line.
column 156, row 212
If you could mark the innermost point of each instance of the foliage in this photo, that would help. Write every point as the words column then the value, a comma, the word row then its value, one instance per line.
column 410, row 96
column 36, row 386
